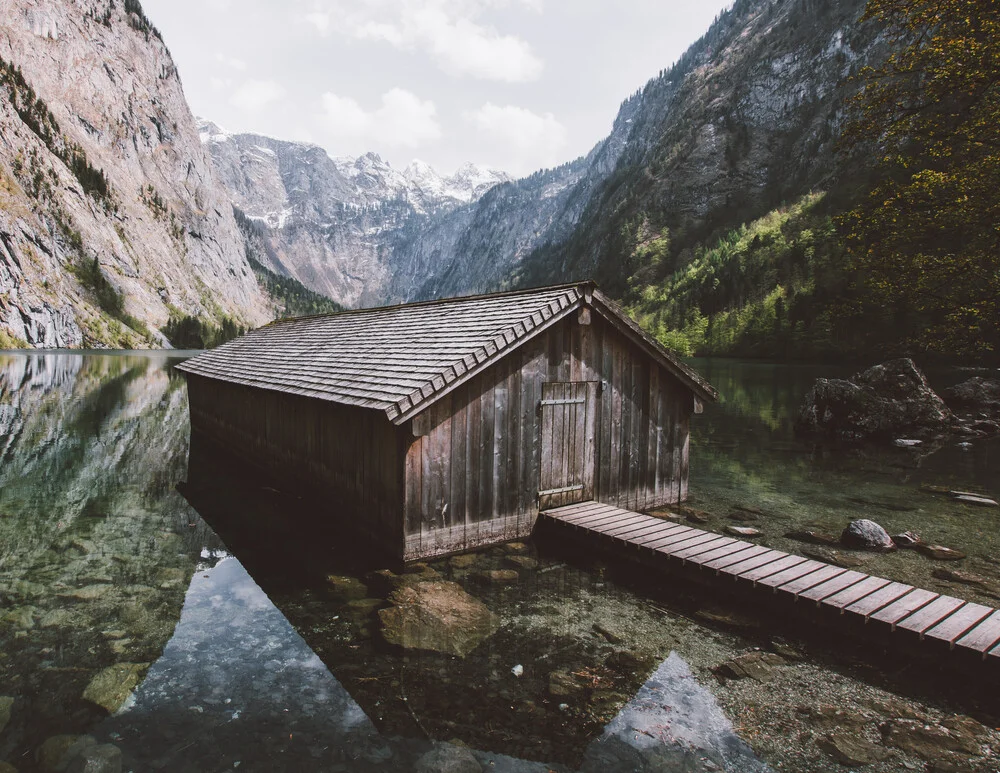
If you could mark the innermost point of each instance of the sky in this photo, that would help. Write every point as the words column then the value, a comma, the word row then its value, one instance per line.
column 516, row 85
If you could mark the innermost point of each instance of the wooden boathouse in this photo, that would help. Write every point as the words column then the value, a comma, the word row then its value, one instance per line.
column 441, row 426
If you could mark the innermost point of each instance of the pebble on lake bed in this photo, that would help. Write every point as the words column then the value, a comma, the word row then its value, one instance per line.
column 743, row 531
column 940, row 552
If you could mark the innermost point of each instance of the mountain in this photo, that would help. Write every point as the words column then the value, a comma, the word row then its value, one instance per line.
column 746, row 120
column 111, row 217
column 335, row 223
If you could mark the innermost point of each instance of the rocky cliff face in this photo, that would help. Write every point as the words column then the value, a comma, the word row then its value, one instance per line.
column 111, row 218
column 335, row 224
column 747, row 118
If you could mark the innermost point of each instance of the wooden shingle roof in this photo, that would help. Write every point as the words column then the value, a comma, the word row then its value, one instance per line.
column 400, row 359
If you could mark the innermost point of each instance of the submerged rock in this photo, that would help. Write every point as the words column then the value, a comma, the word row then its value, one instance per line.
column 463, row 560
column 864, row 534
column 932, row 742
column 105, row 758
column 346, row 588
column 965, row 578
column 743, row 531
column 889, row 401
column 977, row 395
column 754, row 665
column 563, row 683
column 851, row 750
column 437, row 616
column 448, row 758
column 940, row 552
column 908, row 539
column 975, row 499
column 112, row 686
column 55, row 753
column 497, row 576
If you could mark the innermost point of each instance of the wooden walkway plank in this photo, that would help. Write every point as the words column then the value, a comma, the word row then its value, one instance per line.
column 855, row 593
column 583, row 511
column 775, row 581
column 984, row 636
column 930, row 615
column 879, row 600
column 823, row 591
column 735, row 558
column 726, row 550
column 653, row 536
column 811, row 580
column 591, row 521
column 585, row 516
column 960, row 622
column 564, row 513
column 614, row 528
column 760, row 572
column 693, row 553
column 674, row 539
column 906, row 605
column 675, row 547
column 762, row 559
column 653, row 526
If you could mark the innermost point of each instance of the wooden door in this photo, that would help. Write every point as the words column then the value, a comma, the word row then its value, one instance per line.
column 569, row 416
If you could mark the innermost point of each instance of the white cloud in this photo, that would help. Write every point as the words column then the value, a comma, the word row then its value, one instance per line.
column 231, row 62
column 320, row 20
column 220, row 84
column 446, row 30
column 254, row 95
column 401, row 120
column 537, row 139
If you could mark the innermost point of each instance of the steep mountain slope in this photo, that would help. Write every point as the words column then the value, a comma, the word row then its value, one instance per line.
column 334, row 223
column 746, row 119
column 111, row 218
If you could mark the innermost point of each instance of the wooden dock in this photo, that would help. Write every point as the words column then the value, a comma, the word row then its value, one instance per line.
column 894, row 607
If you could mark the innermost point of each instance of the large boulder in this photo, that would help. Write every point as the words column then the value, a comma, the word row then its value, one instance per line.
column 436, row 616
column 886, row 402
column 977, row 395
column 867, row 535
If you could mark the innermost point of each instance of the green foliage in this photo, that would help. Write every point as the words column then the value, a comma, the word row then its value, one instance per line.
column 109, row 299
column 37, row 117
column 188, row 332
column 138, row 21
column 8, row 341
column 925, row 240
column 290, row 295
column 92, row 180
column 767, row 289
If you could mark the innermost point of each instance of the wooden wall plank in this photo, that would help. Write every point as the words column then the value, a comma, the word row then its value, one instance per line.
column 458, row 461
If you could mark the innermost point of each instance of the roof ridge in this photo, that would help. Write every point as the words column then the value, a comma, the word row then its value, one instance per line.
column 438, row 302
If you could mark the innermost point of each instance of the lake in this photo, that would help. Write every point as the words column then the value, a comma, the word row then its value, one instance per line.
column 161, row 618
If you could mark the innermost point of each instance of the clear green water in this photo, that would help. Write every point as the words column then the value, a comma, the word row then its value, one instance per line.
column 744, row 451
column 236, row 632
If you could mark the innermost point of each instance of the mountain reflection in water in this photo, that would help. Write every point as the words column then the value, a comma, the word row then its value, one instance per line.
column 238, row 687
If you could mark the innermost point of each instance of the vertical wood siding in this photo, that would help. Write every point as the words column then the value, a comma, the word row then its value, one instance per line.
column 351, row 457
column 473, row 477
